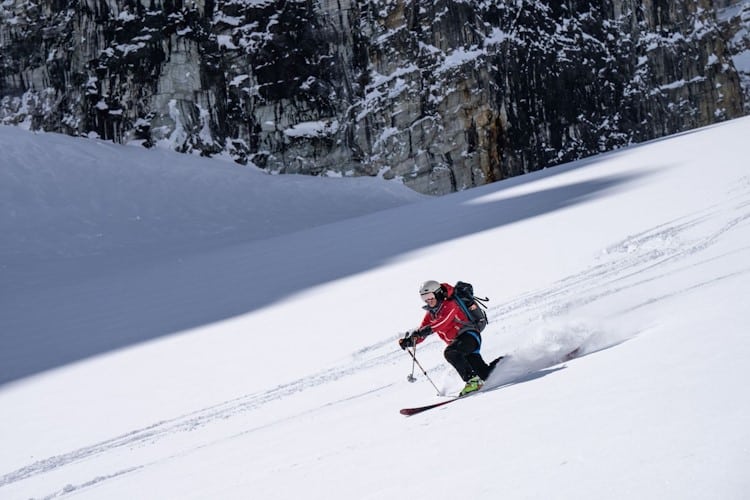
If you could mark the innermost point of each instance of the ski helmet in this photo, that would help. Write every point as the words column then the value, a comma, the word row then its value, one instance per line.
column 431, row 286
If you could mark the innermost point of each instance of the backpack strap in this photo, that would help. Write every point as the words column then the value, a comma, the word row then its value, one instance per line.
column 472, row 320
column 462, row 306
column 481, row 301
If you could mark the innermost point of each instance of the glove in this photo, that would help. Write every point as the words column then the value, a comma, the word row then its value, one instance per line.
column 409, row 341
column 414, row 336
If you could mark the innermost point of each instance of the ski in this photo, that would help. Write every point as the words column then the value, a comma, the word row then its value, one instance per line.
column 419, row 409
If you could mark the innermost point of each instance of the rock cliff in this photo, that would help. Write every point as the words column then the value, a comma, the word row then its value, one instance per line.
column 443, row 94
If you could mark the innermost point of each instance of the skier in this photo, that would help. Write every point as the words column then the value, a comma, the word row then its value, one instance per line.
column 446, row 318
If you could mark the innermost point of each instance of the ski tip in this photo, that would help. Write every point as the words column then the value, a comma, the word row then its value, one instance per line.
column 420, row 409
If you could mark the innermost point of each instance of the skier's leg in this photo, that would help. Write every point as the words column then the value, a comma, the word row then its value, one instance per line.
column 474, row 358
column 478, row 365
column 458, row 353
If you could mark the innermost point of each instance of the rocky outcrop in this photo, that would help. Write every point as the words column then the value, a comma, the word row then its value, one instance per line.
column 734, row 22
column 443, row 94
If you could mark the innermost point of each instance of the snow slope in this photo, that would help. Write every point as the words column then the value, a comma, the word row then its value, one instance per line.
column 110, row 230
column 176, row 327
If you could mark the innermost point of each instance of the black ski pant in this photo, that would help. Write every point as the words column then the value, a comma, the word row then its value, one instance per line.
column 463, row 354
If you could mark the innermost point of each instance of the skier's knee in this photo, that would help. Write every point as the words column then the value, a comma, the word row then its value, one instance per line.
column 451, row 353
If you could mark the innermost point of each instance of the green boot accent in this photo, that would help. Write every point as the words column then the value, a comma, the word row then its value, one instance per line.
column 472, row 385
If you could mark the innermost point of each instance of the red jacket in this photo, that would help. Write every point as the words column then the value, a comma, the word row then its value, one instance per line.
column 448, row 320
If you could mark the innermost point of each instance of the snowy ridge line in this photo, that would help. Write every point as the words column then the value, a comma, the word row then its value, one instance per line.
column 644, row 252
column 204, row 417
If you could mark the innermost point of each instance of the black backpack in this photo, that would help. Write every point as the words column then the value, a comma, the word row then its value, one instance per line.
column 463, row 293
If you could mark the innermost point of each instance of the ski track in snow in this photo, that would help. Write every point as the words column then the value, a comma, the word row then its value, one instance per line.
column 203, row 417
column 639, row 259
column 642, row 258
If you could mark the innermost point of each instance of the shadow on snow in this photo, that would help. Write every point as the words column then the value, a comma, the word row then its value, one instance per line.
column 119, row 304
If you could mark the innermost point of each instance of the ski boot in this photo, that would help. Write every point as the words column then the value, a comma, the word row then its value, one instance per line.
column 472, row 385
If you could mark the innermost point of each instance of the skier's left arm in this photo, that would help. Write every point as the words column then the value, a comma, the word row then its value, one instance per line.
column 414, row 337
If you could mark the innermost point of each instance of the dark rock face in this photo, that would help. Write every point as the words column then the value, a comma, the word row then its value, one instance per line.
column 444, row 94
column 734, row 23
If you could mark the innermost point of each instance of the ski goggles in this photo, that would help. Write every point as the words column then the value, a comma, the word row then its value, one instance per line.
column 428, row 296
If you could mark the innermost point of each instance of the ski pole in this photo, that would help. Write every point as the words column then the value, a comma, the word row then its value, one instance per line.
column 424, row 372
column 411, row 377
